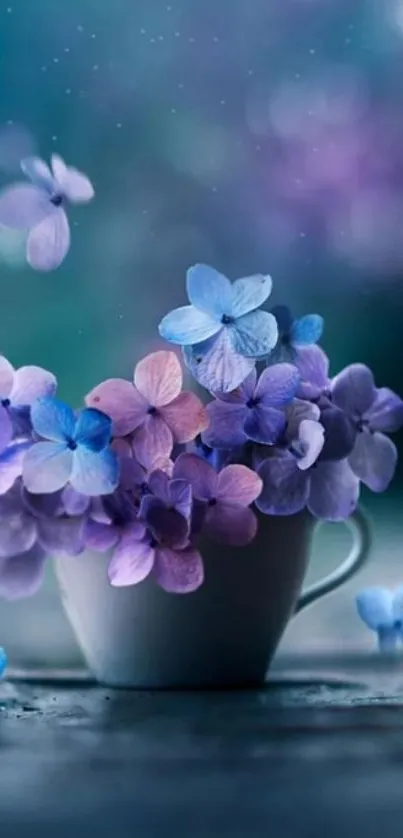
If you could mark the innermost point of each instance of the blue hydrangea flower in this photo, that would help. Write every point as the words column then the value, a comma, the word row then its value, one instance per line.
column 382, row 611
column 223, row 326
column 3, row 662
column 292, row 334
column 74, row 450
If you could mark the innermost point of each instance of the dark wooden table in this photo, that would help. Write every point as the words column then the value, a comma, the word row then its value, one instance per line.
column 318, row 752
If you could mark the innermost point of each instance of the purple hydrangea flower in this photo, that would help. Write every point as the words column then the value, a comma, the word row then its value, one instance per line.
column 117, row 525
column 223, row 329
column 255, row 411
column 313, row 366
column 76, row 450
column 294, row 479
column 373, row 413
column 382, row 611
column 225, row 498
column 167, row 508
column 18, row 390
column 294, row 334
column 39, row 208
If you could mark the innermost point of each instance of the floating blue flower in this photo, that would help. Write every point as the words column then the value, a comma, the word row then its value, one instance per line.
column 292, row 334
column 223, row 325
column 76, row 450
column 3, row 662
column 382, row 611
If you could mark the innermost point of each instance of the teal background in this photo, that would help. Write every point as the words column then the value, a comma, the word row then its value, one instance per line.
column 253, row 135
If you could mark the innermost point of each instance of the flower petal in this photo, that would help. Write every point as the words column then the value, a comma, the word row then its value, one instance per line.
column 226, row 425
column 186, row 416
column 49, row 242
column 22, row 575
column 179, row 571
column 334, row 491
column 375, row 607
column 277, row 385
column 132, row 561
column 180, row 496
column 158, row 377
column 386, row 412
column 243, row 393
column 311, row 434
column 93, row 429
column 7, row 373
column 17, row 532
column 74, row 184
column 313, row 366
column 100, row 537
column 11, row 462
column 254, row 335
column 219, row 369
column 264, row 424
column 62, row 536
column 166, row 525
column 47, row 467
column 73, row 502
column 6, row 428
column 122, row 402
column 209, row 291
column 340, row 433
column 94, row 472
column 373, row 459
column 200, row 474
column 249, row 293
column 284, row 318
column 38, row 172
column 285, row 488
column 187, row 325
column 229, row 524
column 52, row 419
column 3, row 662
column 306, row 330
column 153, row 440
column 41, row 506
column 23, row 206
column 31, row 383
column 295, row 413
column 353, row 390
column 239, row 485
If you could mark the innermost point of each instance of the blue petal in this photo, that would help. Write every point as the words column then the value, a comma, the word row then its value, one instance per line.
column 3, row 662
column 47, row 467
column 375, row 607
column 307, row 330
column 95, row 472
column 250, row 293
column 188, row 325
column 255, row 334
column 284, row 318
column 209, row 291
column 219, row 368
column 52, row 419
column 93, row 429
column 387, row 639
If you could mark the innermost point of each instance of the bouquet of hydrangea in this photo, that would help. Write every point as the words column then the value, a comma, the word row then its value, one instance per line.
column 145, row 468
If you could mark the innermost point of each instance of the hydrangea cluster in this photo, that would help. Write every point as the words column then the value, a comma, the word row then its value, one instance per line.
column 145, row 469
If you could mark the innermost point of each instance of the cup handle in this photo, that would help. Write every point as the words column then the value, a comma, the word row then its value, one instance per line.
column 360, row 527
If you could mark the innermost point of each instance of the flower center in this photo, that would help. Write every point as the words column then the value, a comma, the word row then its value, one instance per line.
column 299, row 449
column 151, row 410
column 253, row 402
column 56, row 200
column 226, row 320
column 144, row 490
column 212, row 501
column 71, row 445
column 5, row 402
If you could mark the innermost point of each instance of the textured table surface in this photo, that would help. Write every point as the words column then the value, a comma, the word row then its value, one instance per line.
column 318, row 751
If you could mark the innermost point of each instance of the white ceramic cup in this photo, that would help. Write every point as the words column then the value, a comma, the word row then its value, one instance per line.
column 222, row 635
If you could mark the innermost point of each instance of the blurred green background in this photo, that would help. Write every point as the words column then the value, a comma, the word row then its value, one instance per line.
column 252, row 135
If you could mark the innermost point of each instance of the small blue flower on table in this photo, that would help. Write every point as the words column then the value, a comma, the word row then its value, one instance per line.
column 3, row 662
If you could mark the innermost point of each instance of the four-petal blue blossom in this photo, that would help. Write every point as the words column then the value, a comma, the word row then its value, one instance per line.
column 76, row 450
column 223, row 325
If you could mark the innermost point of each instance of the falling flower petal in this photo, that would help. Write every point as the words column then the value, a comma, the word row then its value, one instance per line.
column 132, row 560
column 373, row 460
column 38, row 172
column 179, row 572
column 158, row 377
column 47, row 467
column 122, row 402
column 209, row 291
column 49, row 242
